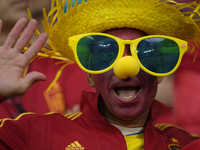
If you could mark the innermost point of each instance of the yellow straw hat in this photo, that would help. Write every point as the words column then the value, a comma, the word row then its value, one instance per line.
column 155, row 17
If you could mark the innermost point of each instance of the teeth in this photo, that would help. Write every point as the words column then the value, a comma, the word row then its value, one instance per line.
column 127, row 97
column 127, row 92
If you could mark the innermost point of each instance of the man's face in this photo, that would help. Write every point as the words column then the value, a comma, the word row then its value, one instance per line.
column 12, row 10
column 125, row 99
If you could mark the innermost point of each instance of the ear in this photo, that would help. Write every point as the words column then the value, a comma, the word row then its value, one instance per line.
column 160, row 79
column 90, row 79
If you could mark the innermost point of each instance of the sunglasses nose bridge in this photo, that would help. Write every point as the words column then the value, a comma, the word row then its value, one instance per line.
column 127, row 42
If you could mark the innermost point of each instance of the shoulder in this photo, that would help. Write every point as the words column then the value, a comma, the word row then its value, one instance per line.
column 69, row 118
column 20, row 118
column 30, row 118
column 170, row 128
column 176, row 134
column 73, row 116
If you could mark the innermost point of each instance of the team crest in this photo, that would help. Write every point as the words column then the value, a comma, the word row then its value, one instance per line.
column 174, row 147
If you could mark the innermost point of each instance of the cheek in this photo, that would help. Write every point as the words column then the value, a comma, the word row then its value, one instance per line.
column 150, row 83
column 152, row 89
column 148, row 79
column 101, row 81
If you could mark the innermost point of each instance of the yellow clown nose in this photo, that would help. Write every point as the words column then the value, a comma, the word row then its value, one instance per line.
column 125, row 67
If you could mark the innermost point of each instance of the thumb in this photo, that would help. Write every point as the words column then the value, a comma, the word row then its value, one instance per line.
column 30, row 79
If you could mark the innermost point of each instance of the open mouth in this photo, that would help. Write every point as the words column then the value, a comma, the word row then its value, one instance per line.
column 127, row 92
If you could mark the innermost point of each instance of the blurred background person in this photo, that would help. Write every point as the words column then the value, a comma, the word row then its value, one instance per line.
column 10, row 12
column 186, row 91
column 184, row 95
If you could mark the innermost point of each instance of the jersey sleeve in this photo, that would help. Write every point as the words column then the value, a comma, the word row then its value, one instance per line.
column 177, row 136
column 15, row 133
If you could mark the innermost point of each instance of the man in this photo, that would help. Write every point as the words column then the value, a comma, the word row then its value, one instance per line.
column 123, row 64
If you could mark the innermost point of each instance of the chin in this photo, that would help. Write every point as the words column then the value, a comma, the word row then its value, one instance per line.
column 127, row 115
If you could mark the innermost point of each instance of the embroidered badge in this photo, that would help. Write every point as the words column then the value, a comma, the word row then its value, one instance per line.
column 174, row 147
column 74, row 146
column 174, row 140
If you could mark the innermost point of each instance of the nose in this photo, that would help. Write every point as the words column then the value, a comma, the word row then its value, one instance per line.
column 127, row 50
column 127, row 66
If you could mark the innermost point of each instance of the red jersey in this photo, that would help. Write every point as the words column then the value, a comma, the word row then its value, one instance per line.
column 86, row 130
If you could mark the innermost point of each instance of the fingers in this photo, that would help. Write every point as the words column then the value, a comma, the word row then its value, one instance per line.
column 26, row 35
column 1, row 25
column 14, row 33
column 30, row 79
column 35, row 48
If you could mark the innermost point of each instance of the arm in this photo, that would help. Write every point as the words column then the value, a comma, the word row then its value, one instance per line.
column 13, row 62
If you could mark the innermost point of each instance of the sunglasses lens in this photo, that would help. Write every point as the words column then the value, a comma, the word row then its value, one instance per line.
column 97, row 52
column 158, row 55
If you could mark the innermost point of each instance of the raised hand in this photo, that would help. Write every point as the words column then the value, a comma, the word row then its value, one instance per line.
column 13, row 62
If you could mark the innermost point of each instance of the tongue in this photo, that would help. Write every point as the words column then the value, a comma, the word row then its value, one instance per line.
column 127, row 92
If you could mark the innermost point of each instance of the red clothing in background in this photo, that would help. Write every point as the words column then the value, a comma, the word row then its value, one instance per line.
column 187, row 94
column 186, row 104
column 63, row 97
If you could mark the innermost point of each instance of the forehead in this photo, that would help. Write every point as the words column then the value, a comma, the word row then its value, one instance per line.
column 126, row 33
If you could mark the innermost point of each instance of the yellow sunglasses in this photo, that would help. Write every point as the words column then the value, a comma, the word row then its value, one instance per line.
column 157, row 55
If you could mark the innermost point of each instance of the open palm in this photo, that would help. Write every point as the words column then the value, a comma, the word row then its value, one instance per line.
column 13, row 62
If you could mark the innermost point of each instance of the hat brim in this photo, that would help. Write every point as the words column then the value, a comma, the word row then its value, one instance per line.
column 154, row 17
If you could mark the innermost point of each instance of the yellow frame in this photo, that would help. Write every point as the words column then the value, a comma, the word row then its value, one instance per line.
column 183, row 46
